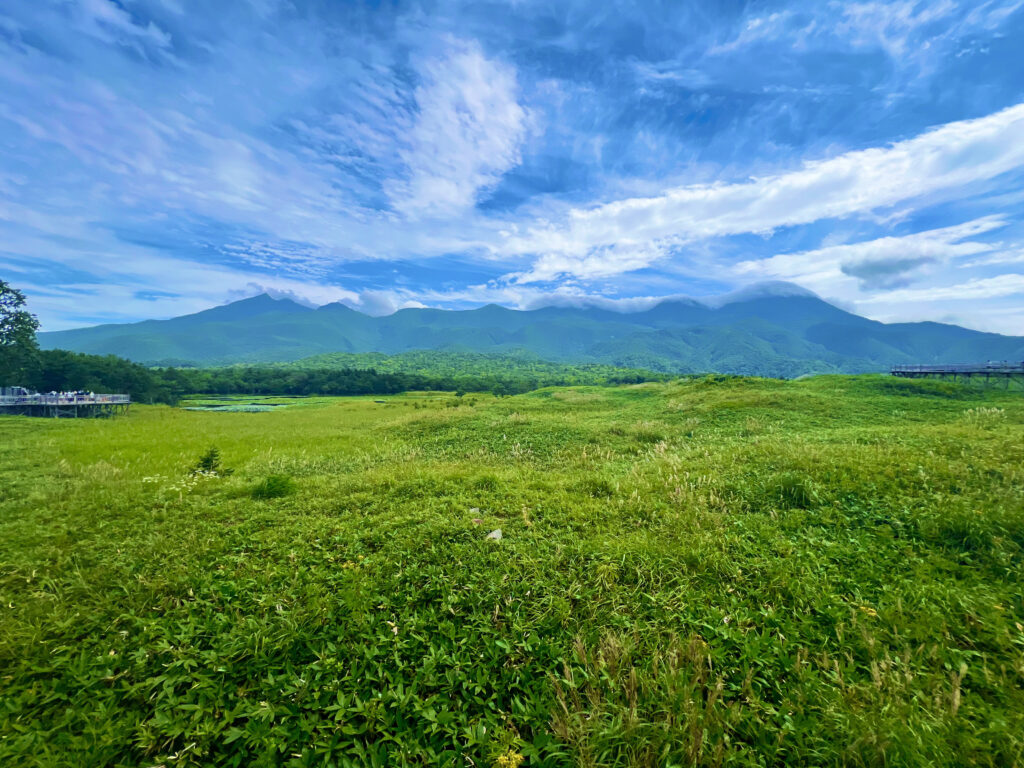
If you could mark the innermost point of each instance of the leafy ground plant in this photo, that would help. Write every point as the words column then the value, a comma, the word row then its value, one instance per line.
column 820, row 572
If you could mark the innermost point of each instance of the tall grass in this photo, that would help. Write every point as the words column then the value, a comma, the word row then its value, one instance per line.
column 707, row 572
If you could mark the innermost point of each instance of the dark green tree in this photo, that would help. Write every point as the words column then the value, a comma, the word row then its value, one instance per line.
column 18, row 347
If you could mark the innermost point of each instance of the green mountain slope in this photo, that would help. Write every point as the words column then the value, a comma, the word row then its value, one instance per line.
column 774, row 332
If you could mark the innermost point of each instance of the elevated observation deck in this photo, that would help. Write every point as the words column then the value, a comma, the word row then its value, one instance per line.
column 1004, row 373
column 64, row 405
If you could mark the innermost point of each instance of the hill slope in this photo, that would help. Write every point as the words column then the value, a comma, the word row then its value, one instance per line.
column 765, row 333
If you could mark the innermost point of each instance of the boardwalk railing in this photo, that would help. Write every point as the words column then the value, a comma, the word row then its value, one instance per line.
column 964, row 368
column 8, row 400
column 993, row 373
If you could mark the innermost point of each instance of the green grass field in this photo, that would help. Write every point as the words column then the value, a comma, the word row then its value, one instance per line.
column 705, row 572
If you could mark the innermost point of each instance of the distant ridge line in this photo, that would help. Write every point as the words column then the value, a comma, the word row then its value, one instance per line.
column 769, row 332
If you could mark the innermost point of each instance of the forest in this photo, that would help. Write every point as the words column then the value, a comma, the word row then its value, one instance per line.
column 57, row 370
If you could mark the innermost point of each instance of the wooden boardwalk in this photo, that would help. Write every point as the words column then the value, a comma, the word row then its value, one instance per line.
column 89, row 406
column 1007, row 374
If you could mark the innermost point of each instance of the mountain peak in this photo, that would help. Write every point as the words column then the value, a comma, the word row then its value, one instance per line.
column 259, row 300
column 770, row 289
column 338, row 306
column 268, row 301
column 242, row 309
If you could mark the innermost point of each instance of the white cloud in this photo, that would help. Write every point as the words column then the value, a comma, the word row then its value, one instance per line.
column 687, row 77
column 760, row 28
column 466, row 135
column 916, row 36
column 527, row 297
column 990, row 15
column 950, row 156
column 889, row 26
column 908, row 31
column 978, row 288
column 885, row 25
column 121, row 276
column 380, row 302
column 174, row 6
column 604, row 260
column 107, row 21
column 1004, row 257
column 879, row 263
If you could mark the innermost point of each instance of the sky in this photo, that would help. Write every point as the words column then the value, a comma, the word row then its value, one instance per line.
column 159, row 157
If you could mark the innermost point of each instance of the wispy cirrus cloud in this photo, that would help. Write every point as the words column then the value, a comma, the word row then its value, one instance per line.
column 110, row 22
column 906, row 30
column 465, row 133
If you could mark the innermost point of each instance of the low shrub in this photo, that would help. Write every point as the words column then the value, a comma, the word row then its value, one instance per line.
column 486, row 483
column 647, row 435
column 210, row 464
column 791, row 490
column 597, row 487
column 273, row 487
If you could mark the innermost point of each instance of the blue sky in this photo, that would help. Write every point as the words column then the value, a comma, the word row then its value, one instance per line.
column 158, row 157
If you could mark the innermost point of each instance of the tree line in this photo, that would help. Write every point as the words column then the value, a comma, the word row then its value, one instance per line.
column 60, row 370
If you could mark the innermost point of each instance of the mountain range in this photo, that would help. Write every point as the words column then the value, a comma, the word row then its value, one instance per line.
column 778, row 330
